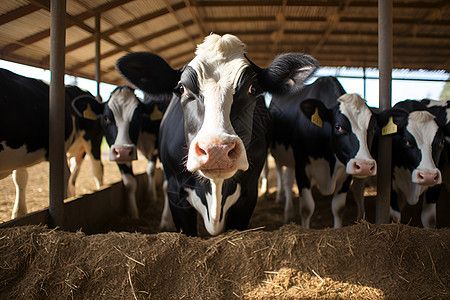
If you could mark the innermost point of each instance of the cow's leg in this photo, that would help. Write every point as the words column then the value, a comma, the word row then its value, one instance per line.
column 307, row 206
column 130, row 183
column 428, row 215
column 358, row 195
column 166, row 217
column 97, row 170
column 337, row 207
column 151, row 188
column 95, row 154
column 339, row 200
column 20, row 178
column 74, row 164
column 288, row 180
column 264, row 187
column 280, row 191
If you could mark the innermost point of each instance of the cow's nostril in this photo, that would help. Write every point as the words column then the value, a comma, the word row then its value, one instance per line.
column 357, row 166
column 199, row 150
column 436, row 178
column 233, row 152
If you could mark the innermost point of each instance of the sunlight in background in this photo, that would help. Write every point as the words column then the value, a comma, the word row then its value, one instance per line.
column 401, row 89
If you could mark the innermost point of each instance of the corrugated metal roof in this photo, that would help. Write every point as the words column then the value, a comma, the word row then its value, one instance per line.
column 337, row 33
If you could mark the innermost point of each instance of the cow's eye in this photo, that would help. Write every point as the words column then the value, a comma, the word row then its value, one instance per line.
column 441, row 144
column 252, row 90
column 407, row 143
column 338, row 128
column 106, row 120
column 179, row 89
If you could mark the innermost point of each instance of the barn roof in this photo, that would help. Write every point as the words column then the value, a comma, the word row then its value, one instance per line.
column 336, row 32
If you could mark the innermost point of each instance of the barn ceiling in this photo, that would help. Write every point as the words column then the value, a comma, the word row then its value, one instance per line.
column 336, row 32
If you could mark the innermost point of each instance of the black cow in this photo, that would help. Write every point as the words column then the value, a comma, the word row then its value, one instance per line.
column 130, row 125
column 325, row 145
column 216, row 131
column 24, row 132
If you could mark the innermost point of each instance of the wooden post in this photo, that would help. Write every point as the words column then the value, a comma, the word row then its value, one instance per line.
column 57, row 154
column 385, row 83
column 97, row 54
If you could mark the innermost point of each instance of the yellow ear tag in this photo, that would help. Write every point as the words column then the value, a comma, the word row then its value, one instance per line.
column 89, row 114
column 315, row 118
column 390, row 127
column 156, row 114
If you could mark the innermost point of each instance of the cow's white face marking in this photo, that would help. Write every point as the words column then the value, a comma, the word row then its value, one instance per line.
column 123, row 103
column 219, row 64
column 211, row 214
column 423, row 128
column 355, row 109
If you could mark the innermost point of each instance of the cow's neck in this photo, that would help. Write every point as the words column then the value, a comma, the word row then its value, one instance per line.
column 214, row 215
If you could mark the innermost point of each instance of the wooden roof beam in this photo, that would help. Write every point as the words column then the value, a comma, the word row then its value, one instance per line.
column 343, row 19
column 278, row 34
column 42, row 4
column 312, row 3
column 333, row 21
column 18, row 13
column 180, row 24
column 195, row 16
column 141, row 40
column 123, row 27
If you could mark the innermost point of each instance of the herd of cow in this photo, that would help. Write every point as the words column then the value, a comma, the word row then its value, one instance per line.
column 212, row 124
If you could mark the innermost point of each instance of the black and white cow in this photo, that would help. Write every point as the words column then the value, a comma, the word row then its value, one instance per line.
column 324, row 135
column 24, row 138
column 417, row 149
column 130, row 125
column 216, row 131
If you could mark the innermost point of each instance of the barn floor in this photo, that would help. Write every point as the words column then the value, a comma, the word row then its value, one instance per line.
column 359, row 261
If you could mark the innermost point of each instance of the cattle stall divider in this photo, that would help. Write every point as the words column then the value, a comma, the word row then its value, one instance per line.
column 57, row 153
column 90, row 212
column 385, row 54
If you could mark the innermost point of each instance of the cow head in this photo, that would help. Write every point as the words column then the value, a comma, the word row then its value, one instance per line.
column 353, row 127
column 217, row 91
column 121, row 119
column 417, row 148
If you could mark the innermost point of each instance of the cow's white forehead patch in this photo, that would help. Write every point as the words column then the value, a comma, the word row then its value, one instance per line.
column 358, row 113
column 356, row 110
column 422, row 126
column 219, row 62
column 122, row 103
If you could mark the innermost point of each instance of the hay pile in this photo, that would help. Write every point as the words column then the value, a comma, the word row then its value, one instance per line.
column 362, row 261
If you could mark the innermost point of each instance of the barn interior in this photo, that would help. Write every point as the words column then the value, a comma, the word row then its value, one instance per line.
column 338, row 33
column 268, row 261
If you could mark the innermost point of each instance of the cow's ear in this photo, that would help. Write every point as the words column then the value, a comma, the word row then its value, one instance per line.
column 315, row 111
column 287, row 73
column 148, row 72
column 390, row 120
column 88, row 107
